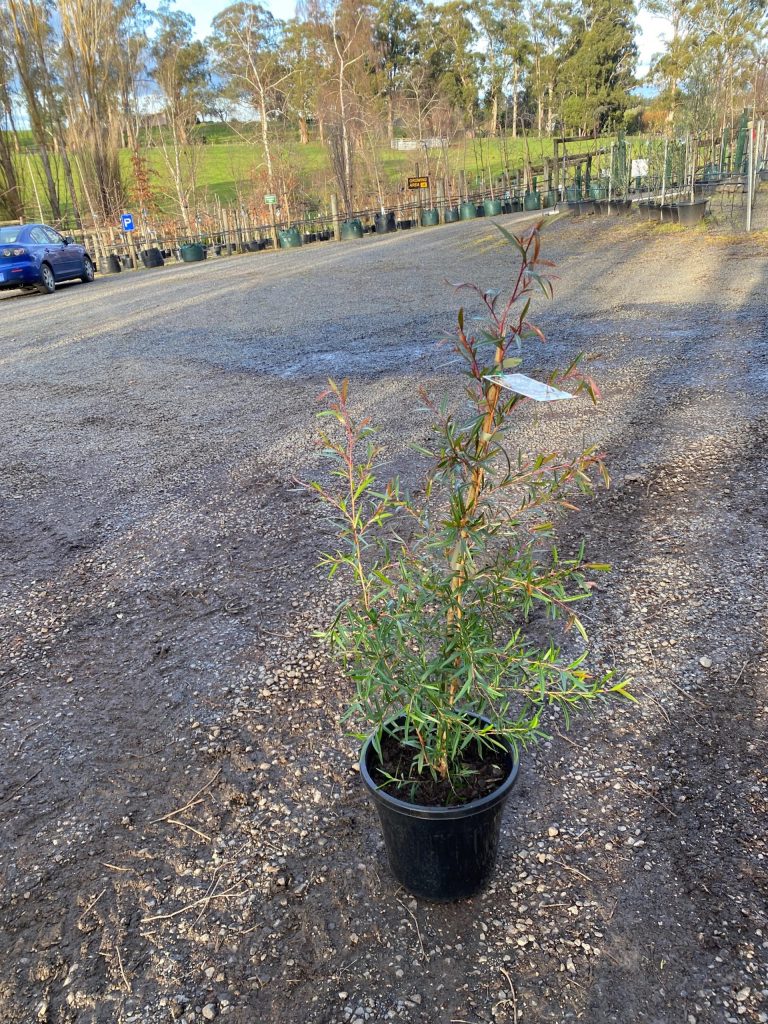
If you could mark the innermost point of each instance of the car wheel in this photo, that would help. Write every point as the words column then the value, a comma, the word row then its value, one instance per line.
column 47, row 283
column 89, row 272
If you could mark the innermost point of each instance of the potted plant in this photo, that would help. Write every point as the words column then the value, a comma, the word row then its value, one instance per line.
column 442, row 635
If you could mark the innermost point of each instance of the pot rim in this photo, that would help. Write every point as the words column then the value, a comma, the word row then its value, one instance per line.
column 442, row 813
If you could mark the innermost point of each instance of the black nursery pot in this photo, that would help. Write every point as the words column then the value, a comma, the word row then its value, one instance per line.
column 440, row 853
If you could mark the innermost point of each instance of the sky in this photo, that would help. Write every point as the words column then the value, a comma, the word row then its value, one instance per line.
column 649, row 41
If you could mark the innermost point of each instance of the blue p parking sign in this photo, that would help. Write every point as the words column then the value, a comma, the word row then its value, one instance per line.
column 127, row 220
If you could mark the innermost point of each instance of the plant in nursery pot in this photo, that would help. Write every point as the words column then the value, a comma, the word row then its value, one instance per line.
column 440, row 633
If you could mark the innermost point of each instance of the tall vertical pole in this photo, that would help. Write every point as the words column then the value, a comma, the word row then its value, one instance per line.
column 750, row 174
column 335, row 217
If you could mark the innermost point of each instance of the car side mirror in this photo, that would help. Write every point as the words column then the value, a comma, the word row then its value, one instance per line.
column 69, row 240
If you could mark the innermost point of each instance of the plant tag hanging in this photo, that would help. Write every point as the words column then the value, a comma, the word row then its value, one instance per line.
column 527, row 386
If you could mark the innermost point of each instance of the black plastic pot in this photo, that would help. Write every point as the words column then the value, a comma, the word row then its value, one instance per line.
column 619, row 205
column 152, row 258
column 586, row 206
column 691, row 213
column 405, row 225
column 669, row 213
column 440, row 853
column 384, row 223
column 113, row 265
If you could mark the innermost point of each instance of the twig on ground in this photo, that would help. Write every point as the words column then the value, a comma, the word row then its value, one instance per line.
column 120, row 963
column 347, row 966
column 415, row 921
column 31, row 777
column 190, row 803
column 191, row 906
column 567, row 740
column 513, row 997
column 738, row 677
column 91, row 905
column 574, row 870
column 688, row 696
column 661, row 803
column 175, row 821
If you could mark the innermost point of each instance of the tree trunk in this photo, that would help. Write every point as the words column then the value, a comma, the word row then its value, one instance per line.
column 64, row 156
column 515, row 78
column 265, row 138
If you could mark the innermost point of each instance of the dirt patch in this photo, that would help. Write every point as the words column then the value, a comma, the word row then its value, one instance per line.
column 185, row 833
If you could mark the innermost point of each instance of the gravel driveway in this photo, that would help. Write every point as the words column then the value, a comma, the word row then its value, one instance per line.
column 184, row 833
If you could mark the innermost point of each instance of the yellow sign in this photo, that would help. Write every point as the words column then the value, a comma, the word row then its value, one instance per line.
column 418, row 183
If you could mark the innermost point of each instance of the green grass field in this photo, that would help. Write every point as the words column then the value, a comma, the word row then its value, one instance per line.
column 228, row 165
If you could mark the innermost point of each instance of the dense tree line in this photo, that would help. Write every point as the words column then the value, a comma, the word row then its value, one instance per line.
column 85, row 78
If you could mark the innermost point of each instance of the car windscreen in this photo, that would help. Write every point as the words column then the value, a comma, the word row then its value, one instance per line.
column 8, row 235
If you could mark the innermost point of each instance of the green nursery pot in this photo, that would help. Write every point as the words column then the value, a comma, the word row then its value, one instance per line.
column 351, row 229
column 467, row 211
column 492, row 207
column 192, row 253
column 289, row 238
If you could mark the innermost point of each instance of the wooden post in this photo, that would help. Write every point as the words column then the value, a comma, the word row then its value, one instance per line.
column 441, row 193
column 274, row 225
column 132, row 246
column 556, row 162
column 335, row 217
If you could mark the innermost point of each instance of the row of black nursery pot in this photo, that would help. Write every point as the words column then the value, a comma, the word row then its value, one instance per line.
column 686, row 212
column 586, row 205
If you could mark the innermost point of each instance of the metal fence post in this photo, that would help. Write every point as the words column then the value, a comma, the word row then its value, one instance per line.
column 750, row 174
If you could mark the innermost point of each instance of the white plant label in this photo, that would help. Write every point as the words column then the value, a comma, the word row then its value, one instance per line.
column 528, row 387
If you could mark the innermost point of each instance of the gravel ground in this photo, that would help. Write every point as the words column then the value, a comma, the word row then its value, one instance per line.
column 184, row 833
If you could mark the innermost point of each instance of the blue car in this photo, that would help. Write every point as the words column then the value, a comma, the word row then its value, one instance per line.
column 35, row 257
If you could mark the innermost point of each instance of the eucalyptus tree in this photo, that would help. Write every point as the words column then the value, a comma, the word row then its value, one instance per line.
column 89, row 56
column 11, row 196
column 506, row 45
column 707, row 68
column 304, row 52
column 551, row 42
column 455, row 36
column 396, row 40
column 247, row 42
column 28, row 30
column 180, row 72
column 351, row 65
